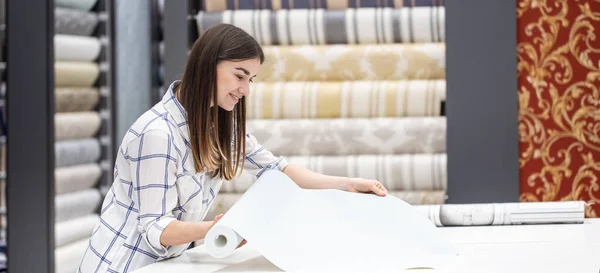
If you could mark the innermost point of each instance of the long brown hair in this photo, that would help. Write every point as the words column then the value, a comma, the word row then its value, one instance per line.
column 217, row 136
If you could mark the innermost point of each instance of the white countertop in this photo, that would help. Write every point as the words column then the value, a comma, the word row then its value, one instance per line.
column 572, row 248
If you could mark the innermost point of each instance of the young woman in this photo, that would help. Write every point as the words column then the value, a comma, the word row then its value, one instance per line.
column 174, row 158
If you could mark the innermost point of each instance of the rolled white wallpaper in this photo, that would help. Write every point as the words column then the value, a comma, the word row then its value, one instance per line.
column 73, row 230
column 70, row 206
column 76, row 125
column 68, row 257
column 84, row 5
column 75, row 74
column 75, row 152
column 76, row 178
column 76, row 48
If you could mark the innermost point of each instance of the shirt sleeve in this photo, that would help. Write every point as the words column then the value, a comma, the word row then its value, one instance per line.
column 153, row 164
column 258, row 159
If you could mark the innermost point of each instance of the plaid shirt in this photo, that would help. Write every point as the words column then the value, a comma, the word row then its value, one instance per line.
column 155, row 183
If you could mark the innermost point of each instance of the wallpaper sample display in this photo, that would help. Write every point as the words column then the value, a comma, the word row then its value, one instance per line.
column 76, row 178
column 348, row 99
column 75, row 99
column 75, row 152
column 76, row 48
column 358, row 136
column 71, row 231
column 76, row 125
column 559, row 98
column 75, row 74
column 407, row 172
column 561, row 212
column 74, row 22
column 354, row 62
column 319, row 26
column 77, row 204
column 220, row 5
column 224, row 201
column 84, row 5
column 68, row 257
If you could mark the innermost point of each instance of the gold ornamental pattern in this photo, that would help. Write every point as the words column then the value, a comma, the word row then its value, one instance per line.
column 559, row 101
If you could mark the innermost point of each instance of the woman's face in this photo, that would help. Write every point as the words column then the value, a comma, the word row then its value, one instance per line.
column 233, row 81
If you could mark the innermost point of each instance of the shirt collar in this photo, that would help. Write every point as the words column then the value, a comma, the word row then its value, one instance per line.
column 176, row 111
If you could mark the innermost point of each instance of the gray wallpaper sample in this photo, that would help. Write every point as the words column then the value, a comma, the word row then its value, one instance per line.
column 133, row 62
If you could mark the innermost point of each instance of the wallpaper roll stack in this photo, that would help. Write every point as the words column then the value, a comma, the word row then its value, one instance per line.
column 77, row 123
column 348, row 88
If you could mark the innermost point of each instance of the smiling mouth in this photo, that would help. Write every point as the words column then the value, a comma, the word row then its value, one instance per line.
column 235, row 98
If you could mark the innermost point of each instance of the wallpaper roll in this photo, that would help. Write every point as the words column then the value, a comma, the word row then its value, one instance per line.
column 319, row 26
column 75, row 152
column 348, row 99
column 76, row 178
column 75, row 99
column 71, row 231
column 76, row 125
column 358, row 136
column 354, row 62
column 76, row 48
column 74, row 22
column 333, row 230
column 68, row 257
column 73, row 205
column 220, row 5
column 558, row 212
column 84, row 5
column 225, row 200
column 407, row 172
column 75, row 74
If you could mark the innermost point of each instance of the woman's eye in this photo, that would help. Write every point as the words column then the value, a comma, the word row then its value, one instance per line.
column 240, row 77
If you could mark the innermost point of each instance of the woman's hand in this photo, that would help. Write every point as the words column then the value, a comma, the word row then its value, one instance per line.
column 217, row 218
column 361, row 185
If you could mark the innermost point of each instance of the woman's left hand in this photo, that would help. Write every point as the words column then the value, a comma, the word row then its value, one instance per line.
column 362, row 185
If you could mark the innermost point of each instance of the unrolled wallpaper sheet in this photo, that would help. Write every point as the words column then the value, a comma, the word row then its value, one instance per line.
column 505, row 213
column 75, row 152
column 407, row 172
column 354, row 62
column 319, row 26
column 75, row 99
column 71, row 231
column 357, row 136
column 68, row 257
column 328, row 230
column 75, row 74
column 225, row 200
column 77, row 204
column 76, row 48
column 76, row 178
column 76, row 125
column 348, row 99
column 74, row 22
column 84, row 5
column 220, row 5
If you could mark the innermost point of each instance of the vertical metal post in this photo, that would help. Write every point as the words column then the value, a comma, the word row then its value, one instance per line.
column 30, row 135
column 175, row 31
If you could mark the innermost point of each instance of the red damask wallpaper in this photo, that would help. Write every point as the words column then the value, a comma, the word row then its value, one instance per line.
column 559, row 100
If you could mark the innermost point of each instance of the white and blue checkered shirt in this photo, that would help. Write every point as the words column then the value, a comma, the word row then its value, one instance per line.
column 155, row 183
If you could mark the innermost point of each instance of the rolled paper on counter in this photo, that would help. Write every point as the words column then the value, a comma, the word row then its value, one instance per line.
column 558, row 212
column 76, row 48
column 75, row 74
column 349, row 99
column 74, row 22
column 76, row 125
column 380, row 62
column 225, row 200
column 76, row 204
column 328, row 230
column 357, row 136
column 319, row 26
